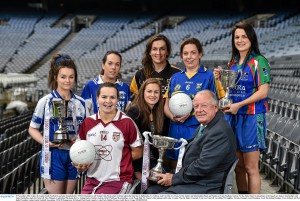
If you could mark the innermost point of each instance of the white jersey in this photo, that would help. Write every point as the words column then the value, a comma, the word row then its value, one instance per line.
column 113, row 142
column 76, row 114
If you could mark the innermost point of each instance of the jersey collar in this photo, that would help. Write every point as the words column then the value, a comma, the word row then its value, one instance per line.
column 100, row 81
column 55, row 94
column 237, row 57
column 116, row 118
column 202, row 69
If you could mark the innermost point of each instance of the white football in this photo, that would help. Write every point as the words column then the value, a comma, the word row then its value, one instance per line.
column 180, row 104
column 82, row 152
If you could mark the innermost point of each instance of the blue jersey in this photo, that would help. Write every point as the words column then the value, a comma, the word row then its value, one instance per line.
column 76, row 107
column 89, row 93
column 253, row 74
column 180, row 82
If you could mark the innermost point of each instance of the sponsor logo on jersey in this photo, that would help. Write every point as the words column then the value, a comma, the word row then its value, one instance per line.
column 103, row 152
column 92, row 134
column 239, row 87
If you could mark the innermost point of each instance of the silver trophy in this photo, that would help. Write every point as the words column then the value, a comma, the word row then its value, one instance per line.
column 227, row 79
column 60, row 112
column 162, row 143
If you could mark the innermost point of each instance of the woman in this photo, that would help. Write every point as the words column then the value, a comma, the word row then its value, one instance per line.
column 194, row 78
column 111, row 65
column 56, row 168
column 246, row 114
column 155, row 64
column 117, row 142
column 148, row 114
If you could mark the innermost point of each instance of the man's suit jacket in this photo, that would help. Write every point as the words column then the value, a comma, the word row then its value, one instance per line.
column 207, row 160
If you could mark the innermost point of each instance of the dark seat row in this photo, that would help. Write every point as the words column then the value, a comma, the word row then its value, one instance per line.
column 14, row 156
column 22, row 177
column 11, row 141
column 284, row 102
column 281, row 159
column 14, row 126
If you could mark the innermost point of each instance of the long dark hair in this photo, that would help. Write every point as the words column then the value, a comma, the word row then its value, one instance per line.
column 248, row 28
column 147, row 60
column 59, row 61
column 145, row 111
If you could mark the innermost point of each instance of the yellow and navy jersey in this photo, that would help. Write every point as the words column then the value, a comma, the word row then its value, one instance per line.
column 181, row 82
column 163, row 76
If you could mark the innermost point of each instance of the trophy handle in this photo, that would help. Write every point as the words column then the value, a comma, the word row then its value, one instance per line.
column 241, row 72
column 184, row 142
column 146, row 134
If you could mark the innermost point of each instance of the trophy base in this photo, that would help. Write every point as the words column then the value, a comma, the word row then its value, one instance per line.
column 59, row 141
column 61, row 138
column 153, row 175
column 224, row 103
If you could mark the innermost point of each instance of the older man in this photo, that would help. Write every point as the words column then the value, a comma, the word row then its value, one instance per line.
column 208, row 157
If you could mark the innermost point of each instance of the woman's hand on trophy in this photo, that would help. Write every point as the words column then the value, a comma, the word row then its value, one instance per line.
column 80, row 167
column 51, row 144
column 73, row 140
column 217, row 72
column 233, row 108
column 224, row 108
column 165, row 179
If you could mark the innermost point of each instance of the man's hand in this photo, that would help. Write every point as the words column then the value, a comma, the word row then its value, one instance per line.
column 165, row 179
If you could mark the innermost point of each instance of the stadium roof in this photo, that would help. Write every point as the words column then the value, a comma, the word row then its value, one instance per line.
column 16, row 79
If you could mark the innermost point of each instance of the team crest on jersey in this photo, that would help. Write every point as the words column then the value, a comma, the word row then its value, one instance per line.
column 122, row 95
column 265, row 70
column 198, row 86
column 116, row 136
column 245, row 76
column 177, row 87
column 80, row 112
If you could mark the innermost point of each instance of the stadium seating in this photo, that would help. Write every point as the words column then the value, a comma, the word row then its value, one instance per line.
column 31, row 36
column 228, row 186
